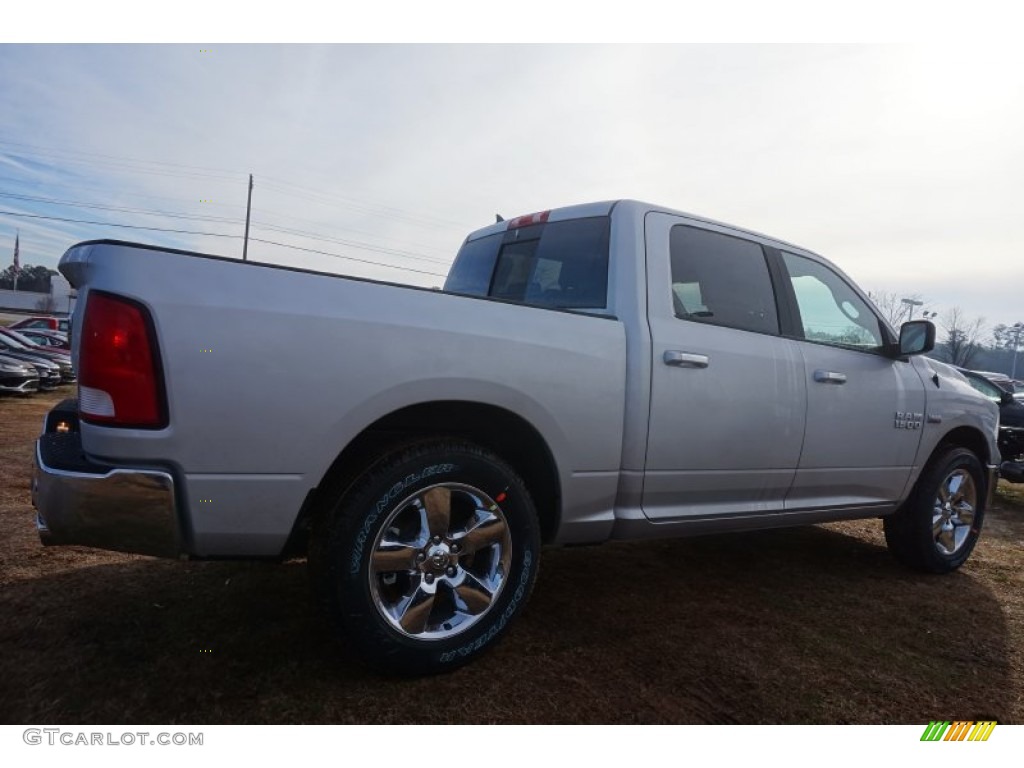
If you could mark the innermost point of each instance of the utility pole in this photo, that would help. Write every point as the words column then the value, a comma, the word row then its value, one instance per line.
column 248, row 209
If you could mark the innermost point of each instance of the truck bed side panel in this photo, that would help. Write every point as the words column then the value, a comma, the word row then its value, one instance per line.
column 271, row 372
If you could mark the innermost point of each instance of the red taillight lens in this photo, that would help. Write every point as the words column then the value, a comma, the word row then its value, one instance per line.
column 118, row 374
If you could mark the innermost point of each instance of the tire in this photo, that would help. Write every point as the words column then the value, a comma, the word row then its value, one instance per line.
column 937, row 527
column 423, row 563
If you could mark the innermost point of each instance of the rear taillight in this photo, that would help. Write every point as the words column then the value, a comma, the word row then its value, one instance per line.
column 119, row 381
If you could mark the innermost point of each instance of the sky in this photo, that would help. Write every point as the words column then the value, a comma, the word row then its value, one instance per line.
column 903, row 164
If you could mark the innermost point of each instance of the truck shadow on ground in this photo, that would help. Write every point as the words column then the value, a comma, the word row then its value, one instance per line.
column 805, row 625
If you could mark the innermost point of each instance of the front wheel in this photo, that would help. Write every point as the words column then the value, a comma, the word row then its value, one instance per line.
column 937, row 527
column 423, row 564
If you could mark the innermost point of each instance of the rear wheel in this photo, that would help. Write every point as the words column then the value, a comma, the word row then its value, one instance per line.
column 937, row 527
column 423, row 564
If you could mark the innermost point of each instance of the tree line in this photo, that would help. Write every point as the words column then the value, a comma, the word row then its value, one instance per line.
column 36, row 279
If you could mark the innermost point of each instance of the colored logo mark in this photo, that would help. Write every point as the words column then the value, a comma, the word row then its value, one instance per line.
column 960, row 730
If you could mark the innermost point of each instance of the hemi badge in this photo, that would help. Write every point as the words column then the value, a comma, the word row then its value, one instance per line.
column 934, row 419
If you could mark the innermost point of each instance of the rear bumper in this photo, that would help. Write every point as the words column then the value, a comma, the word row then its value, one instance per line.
column 93, row 505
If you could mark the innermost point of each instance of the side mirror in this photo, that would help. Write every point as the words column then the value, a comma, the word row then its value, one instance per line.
column 917, row 337
column 1005, row 398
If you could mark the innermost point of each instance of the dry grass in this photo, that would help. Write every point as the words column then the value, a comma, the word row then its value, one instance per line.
column 811, row 625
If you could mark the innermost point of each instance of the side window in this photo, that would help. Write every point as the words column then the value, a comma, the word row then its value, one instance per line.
column 721, row 280
column 830, row 311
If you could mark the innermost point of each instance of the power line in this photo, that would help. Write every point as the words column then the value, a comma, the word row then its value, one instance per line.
column 271, row 214
column 113, row 161
column 199, row 217
column 120, row 226
column 86, row 188
column 120, row 208
column 34, row 154
column 325, row 198
column 351, row 243
column 114, row 157
column 226, row 220
column 163, row 168
column 350, row 258
column 236, row 237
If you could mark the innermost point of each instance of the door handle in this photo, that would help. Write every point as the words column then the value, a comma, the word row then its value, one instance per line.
column 685, row 359
column 829, row 377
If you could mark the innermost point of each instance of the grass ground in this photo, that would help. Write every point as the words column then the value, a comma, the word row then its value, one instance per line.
column 814, row 625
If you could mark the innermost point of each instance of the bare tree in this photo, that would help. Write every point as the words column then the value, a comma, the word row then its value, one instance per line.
column 963, row 336
column 892, row 306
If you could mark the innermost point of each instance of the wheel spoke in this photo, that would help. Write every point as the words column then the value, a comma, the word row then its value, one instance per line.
column 476, row 596
column 436, row 510
column 964, row 513
column 394, row 557
column 961, row 534
column 955, row 483
column 936, row 526
column 414, row 612
column 947, row 540
column 487, row 532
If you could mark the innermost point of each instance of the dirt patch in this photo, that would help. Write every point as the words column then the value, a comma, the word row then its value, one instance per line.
column 814, row 625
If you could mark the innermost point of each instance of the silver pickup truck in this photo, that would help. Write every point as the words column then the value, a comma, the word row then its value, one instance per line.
column 605, row 371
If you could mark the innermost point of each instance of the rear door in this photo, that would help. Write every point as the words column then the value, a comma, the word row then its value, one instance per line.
column 865, row 408
column 727, row 390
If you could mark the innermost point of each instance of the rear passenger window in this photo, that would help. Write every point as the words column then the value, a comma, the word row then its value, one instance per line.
column 721, row 280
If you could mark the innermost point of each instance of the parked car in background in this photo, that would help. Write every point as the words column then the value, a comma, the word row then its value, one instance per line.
column 1001, row 380
column 18, row 376
column 44, row 338
column 1011, row 422
column 44, row 321
column 15, row 341
column 49, row 371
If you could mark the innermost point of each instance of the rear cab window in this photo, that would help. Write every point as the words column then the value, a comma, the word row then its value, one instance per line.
column 557, row 265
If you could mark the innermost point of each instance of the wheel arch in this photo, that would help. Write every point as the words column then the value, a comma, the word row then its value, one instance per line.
column 492, row 427
column 964, row 437
column 971, row 438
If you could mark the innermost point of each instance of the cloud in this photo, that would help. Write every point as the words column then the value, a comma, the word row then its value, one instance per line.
column 901, row 164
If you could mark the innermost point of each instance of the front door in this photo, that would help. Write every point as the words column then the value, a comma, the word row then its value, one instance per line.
column 865, row 408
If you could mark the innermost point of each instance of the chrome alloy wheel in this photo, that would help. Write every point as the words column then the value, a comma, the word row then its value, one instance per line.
column 953, row 512
column 440, row 561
